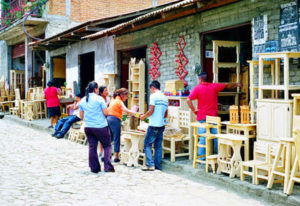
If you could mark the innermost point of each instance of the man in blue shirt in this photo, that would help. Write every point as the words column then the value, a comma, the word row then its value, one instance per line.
column 157, row 112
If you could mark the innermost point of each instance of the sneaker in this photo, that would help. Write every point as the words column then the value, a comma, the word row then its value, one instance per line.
column 50, row 127
column 54, row 134
column 110, row 170
column 59, row 136
column 147, row 168
column 116, row 160
column 102, row 159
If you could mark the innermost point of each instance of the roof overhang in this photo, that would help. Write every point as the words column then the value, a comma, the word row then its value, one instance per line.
column 77, row 33
column 14, row 34
column 168, row 13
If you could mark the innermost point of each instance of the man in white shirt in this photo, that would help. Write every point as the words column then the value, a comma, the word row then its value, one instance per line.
column 63, row 125
column 157, row 112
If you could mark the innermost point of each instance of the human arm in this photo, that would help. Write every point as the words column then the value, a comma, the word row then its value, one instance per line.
column 81, row 114
column 191, row 106
column 166, row 114
column 58, row 91
column 105, row 111
column 148, row 113
column 125, row 109
column 232, row 85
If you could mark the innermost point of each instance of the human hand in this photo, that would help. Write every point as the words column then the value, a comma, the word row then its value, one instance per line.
column 142, row 117
column 195, row 112
column 239, row 85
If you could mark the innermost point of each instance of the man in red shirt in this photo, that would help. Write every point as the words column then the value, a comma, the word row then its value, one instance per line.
column 207, row 96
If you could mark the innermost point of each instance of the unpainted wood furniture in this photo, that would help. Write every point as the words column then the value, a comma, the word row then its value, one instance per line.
column 109, row 80
column 228, row 163
column 260, row 153
column 133, row 146
column 284, row 152
column 295, row 174
column 211, row 122
column 78, row 134
column 212, row 161
column 17, row 81
column 234, row 114
column 179, row 145
column 217, row 65
column 245, row 114
column 136, row 84
column 254, row 87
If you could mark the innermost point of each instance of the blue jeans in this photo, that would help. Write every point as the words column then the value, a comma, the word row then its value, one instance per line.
column 154, row 135
column 202, row 140
column 114, row 124
column 63, row 125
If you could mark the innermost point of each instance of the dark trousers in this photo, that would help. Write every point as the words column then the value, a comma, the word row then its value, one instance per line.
column 63, row 125
column 93, row 136
column 114, row 124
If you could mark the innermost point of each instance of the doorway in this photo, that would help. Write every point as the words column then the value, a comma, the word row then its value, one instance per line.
column 59, row 70
column 86, row 70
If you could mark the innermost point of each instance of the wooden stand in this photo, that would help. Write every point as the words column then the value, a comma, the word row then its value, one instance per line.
column 17, row 81
column 219, row 65
column 136, row 84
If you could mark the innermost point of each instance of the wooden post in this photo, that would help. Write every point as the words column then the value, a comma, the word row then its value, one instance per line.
column 28, row 63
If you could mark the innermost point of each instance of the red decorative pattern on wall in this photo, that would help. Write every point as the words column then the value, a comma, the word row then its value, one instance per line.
column 181, row 60
column 154, row 61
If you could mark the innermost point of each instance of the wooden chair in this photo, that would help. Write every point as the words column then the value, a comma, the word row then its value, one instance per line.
column 78, row 134
column 263, row 171
column 260, row 153
column 180, row 145
column 15, row 110
column 282, row 170
column 295, row 174
column 211, row 122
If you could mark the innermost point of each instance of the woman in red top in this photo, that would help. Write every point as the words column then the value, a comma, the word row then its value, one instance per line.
column 51, row 95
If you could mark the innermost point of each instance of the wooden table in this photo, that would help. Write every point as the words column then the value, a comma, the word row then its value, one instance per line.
column 131, row 151
column 227, row 163
column 245, row 130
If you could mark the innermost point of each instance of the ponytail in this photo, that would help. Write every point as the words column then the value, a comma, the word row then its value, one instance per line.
column 89, row 89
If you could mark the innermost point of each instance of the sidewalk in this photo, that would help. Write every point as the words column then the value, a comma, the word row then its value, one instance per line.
column 184, row 168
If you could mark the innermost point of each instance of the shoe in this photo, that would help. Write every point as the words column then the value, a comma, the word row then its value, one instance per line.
column 59, row 136
column 110, row 170
column 50, row 127
column 54, row 134
column 147, row 168
column 100, row 154
column 116, row 160
column 102, row 159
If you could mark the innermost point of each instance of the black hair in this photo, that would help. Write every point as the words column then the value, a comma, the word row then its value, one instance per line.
column 101, row 89
column 203, row 76
column 50, row 84
column 79, row 95
column 155, row 84
column 89, row 89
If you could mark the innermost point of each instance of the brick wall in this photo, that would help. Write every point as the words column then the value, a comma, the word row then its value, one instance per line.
column 83, row 10
column 57, row 7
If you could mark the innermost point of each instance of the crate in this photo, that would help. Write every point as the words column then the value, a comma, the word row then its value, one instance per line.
column 172, row 85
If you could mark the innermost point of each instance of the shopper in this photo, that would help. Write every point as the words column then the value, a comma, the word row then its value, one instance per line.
column 103, row 92
column 51, row 95
column 158, row 111
column 63, row 125
column 93, row 111
column 114, row 118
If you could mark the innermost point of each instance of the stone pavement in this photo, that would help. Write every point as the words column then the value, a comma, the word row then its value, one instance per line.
column 37, row 169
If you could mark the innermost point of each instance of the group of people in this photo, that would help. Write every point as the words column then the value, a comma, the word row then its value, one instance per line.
column 102, row 118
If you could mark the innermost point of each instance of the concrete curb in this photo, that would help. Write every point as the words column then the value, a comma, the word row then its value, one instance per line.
column 273, row 196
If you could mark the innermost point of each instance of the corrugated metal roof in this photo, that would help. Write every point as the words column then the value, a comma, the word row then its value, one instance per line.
column 154, row 13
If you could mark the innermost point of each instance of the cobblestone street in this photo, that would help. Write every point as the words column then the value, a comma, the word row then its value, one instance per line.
column 37, row 169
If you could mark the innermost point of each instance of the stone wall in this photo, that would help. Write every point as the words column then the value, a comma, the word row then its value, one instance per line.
column 3, row 60
column 191, row 27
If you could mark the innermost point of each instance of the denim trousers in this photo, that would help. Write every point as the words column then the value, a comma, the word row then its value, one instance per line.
column 154, row 136
column 63, row 125
column 202, row 140
column 114, row 124
column 93, row 136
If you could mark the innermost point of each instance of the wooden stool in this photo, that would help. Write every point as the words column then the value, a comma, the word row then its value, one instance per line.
column 285, row 150
column 211, row 160
column 211, row 122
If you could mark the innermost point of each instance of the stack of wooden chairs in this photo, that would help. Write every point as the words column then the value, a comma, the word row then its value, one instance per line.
column 6, row 100
column 77, row 134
